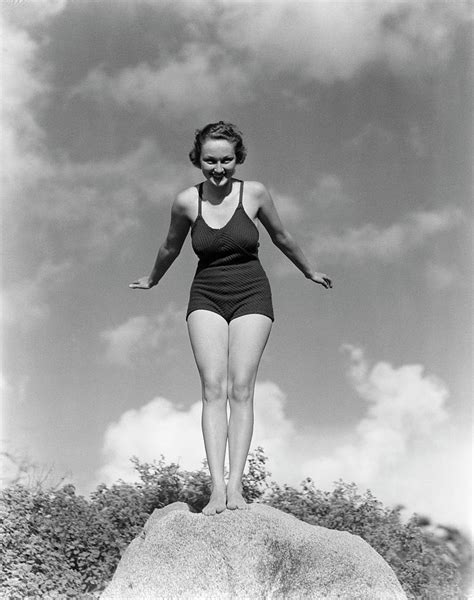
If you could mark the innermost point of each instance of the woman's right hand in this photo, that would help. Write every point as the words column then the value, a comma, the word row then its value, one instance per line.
column 144, row 283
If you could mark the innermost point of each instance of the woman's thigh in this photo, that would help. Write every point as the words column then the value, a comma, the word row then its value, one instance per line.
column 209, row 336
column 248, row 337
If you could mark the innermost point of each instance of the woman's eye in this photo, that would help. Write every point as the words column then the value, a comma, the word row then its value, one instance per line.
column 211, row 161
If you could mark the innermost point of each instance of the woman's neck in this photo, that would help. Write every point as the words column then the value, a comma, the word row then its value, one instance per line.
column 216, row 194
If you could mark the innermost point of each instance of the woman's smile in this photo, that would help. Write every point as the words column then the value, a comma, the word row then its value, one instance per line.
column 218, row 161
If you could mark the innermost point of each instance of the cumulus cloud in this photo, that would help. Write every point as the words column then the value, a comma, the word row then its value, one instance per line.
column 404, row 447
column 80, row 207
column 26, row 14
column 371, row 135
column 141, row 335
column 389, row 243
column 91, row 205
column 84, row 208
column 200, row 78
column 327, row 41
column 289, row 208
column 26, row 302
column 230, row 50
column 442, row 277
column 157, row 428
column 23, row 83
column 330, row 197
column 404, row 405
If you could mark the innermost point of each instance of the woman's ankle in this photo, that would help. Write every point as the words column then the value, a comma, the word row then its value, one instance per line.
column 218, row 486
column 234, row 484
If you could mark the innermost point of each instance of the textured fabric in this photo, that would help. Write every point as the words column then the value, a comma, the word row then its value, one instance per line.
column 229, row 279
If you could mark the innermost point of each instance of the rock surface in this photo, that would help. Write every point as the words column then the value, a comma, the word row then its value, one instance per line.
column 256, row 554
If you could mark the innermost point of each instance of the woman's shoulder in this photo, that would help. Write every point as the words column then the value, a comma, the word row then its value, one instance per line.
column 186, row 199
column 255, row 188
column 257, row 192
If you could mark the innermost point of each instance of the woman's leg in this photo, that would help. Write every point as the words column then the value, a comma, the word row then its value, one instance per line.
column 209, row 335
column 248, row 336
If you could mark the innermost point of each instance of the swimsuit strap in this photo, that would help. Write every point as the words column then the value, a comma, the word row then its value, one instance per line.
column 241, row 195
column 199, row 200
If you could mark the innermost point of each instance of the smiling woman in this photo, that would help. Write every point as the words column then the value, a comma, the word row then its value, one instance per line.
column 230, row 312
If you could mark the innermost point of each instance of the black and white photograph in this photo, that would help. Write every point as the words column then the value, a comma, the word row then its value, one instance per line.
column 236, row 302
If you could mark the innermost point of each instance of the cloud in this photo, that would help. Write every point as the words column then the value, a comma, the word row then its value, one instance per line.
column 79, row 209
column 328, row 41
column 25, row 303
column 141, row 335
column 28, row 14
column 223, row 55
column 383, row 143
column 157, row 428
column 405, row 447
column 82, row 209
column 24, row 84
column 442, row 277
column 199, row 79
column 330, row 198
column 91, row 205
column 404, row 405
column 386, row 244
column 289, row 208
column 371, row 135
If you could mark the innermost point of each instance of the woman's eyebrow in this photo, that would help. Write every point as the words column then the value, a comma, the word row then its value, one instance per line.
column 216, row 157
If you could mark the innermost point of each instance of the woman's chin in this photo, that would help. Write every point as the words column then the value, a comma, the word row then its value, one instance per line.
column 222, row 182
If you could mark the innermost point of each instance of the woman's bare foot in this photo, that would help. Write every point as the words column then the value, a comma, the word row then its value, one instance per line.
column 217, row 502
column 235, row 500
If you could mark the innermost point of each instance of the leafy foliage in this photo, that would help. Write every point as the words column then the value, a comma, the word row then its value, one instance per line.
column 425, row 564
column 56, row 544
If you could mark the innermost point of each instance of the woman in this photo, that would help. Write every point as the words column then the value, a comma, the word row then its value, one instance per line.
column 230, row 312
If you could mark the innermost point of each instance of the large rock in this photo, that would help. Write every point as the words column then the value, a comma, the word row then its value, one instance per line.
column 256, row 554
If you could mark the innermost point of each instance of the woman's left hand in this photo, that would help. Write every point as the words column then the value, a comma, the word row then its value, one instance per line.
column 322, row 279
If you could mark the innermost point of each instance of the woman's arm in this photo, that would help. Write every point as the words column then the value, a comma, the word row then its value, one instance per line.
column 283, row 240
column 169, row 250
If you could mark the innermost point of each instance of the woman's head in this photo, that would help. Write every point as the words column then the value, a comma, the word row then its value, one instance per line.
column 218, row 131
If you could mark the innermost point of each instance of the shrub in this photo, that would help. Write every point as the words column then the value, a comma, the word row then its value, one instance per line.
column 425, row 565
column 56, row 544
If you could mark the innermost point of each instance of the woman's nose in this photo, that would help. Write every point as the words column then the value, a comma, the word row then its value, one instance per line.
column 218, row 168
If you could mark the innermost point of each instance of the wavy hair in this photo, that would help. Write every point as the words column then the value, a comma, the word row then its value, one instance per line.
column 222, row 130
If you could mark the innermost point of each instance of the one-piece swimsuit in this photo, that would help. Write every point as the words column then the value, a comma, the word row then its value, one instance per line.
column 229, row 278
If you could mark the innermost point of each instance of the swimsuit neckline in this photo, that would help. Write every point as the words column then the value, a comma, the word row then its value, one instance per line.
column 239, row 205
column 216, row 229
column 224, row 226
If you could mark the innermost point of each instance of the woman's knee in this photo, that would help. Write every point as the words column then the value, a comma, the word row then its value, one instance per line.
column 240, row 390
column 214, row 389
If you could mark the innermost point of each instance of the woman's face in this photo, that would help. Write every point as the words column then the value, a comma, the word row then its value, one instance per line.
column 218, row 161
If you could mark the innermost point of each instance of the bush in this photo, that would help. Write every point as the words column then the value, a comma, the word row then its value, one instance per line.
column 56, row 544
column 425, row 564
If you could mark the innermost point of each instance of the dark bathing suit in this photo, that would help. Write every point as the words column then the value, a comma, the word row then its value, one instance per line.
column 229, row 279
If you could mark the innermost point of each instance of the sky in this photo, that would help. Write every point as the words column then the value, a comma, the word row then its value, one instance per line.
column 357, row 118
